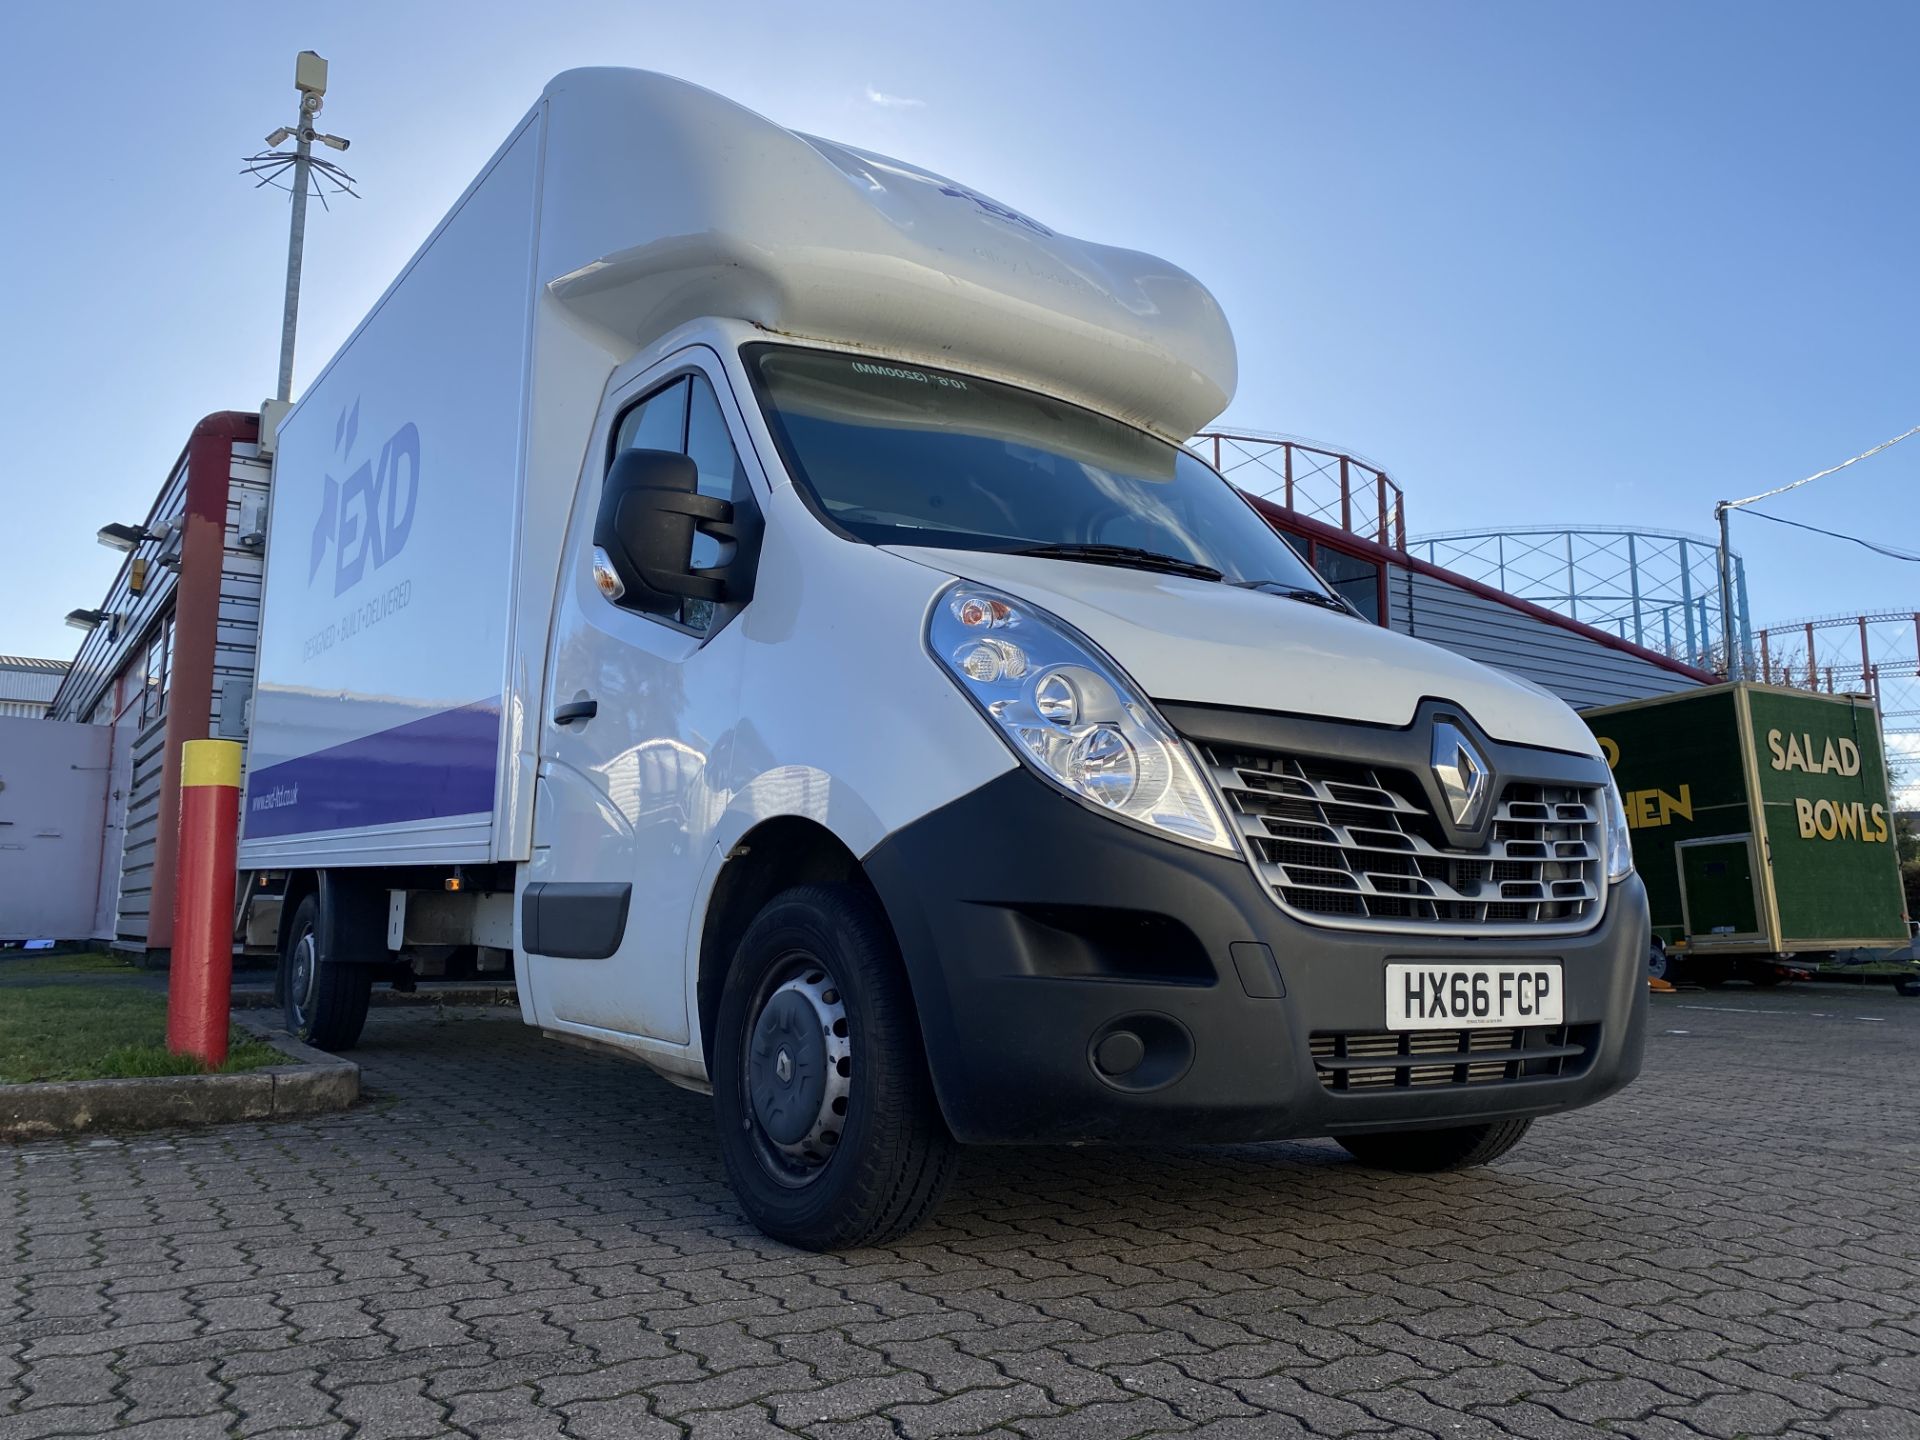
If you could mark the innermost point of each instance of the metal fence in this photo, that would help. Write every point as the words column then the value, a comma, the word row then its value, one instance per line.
column 1658, row 588
column 1325, row 485
column 1878, row 653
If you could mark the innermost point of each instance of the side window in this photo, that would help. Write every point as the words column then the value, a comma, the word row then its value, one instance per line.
column 658, row 422
column 153, row 694
column 685, row 416
column 721, row 475
column 1357, row 581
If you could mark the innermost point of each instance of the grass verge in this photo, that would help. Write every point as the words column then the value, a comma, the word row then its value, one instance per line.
column 95, row 1032
column 35, row 967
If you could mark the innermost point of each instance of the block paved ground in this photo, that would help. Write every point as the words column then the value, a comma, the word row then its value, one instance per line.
column 516, row 1239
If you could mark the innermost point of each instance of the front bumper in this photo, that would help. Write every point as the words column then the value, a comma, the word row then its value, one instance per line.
column 1032, row 928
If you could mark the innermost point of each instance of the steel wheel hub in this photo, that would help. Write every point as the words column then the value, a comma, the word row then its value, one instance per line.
column 799, row 1068
column 300, row 981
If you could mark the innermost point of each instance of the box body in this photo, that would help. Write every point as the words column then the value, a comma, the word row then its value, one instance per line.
column 422, row 485
column 384, row 646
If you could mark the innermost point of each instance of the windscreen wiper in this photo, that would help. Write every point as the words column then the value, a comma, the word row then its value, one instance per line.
column 1131, row 555
column 1297, row 592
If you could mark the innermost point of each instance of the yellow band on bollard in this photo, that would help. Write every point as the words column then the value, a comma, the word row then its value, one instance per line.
column 210, row 762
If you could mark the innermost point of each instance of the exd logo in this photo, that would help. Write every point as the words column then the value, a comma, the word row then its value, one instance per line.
column 995, row 208
column 368, row 516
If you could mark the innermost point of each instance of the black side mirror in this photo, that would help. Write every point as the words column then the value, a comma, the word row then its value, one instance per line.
column 650, row 511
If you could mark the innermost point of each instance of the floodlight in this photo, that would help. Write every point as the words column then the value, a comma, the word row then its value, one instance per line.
column 121, row 537
column 310, row 73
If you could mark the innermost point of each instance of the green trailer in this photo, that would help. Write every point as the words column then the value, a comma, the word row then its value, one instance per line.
column 1762, row 824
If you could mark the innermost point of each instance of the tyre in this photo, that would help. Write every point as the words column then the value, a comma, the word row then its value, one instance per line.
column 324, row 1002
column 1657, row 962
column 1427, row 1152
column 827, row 1119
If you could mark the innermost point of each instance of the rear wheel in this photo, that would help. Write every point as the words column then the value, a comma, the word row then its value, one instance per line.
column 827, row 1119
column 1429, row 1151
column 325, row 1002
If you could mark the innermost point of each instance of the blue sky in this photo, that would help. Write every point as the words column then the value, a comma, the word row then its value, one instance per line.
column 1545, row 262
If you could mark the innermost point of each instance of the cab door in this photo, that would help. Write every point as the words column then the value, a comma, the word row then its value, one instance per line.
column 639, row 713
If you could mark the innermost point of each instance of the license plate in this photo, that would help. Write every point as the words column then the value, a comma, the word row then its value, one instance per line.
column 1468, row 997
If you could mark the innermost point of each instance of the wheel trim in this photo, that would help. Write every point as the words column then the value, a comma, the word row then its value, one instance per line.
column 796, row 1113
column 303, row 975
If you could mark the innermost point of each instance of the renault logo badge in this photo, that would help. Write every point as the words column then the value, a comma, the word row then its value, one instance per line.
column 1461, row 772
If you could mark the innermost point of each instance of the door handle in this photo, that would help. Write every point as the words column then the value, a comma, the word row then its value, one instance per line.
column 571, row 710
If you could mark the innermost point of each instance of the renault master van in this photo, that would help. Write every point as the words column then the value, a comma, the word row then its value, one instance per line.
column 755, row 592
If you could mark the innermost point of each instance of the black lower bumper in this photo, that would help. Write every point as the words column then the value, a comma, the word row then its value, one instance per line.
column 1035, row 929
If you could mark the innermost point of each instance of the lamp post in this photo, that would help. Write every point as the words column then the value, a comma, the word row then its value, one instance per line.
column 310, row 79
column 1721, row 511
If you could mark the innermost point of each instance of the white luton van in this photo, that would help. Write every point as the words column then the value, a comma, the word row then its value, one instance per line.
column 755, row 590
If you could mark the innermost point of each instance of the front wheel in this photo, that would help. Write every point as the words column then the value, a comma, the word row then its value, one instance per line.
column 828, row 1124
column 1427, row 1152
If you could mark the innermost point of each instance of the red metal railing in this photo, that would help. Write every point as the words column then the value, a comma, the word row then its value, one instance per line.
column 1326, row 485
column 1820, row 654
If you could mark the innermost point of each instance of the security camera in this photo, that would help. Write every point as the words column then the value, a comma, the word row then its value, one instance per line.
column 280, row 136
column 333, row 140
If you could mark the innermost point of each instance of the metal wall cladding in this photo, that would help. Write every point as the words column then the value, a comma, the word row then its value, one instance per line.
column 107, row 685
column 1578, row 669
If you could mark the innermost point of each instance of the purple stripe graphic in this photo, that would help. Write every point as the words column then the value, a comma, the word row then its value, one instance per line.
column 439, row 765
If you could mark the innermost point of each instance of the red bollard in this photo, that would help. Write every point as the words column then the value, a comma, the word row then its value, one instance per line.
column 200, row 985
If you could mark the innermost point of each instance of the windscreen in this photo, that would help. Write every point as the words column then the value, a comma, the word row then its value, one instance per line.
column 896, row 454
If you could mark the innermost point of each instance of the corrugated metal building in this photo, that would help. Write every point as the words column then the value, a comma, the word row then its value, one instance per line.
column 27, row 686
column 1580, row 664
column 1347, row 517
column 170, row 659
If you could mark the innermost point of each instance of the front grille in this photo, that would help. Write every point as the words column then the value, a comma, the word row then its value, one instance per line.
column 1351, row 1060
column 1346, row 843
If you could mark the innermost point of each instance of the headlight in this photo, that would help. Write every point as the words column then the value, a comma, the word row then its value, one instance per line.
column 1070, row 713
column 1619, row 838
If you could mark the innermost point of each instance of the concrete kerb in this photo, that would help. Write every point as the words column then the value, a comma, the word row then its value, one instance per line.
column 313, row 1084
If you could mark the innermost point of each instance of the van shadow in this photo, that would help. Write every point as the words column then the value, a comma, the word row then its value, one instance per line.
column 633, row 1146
